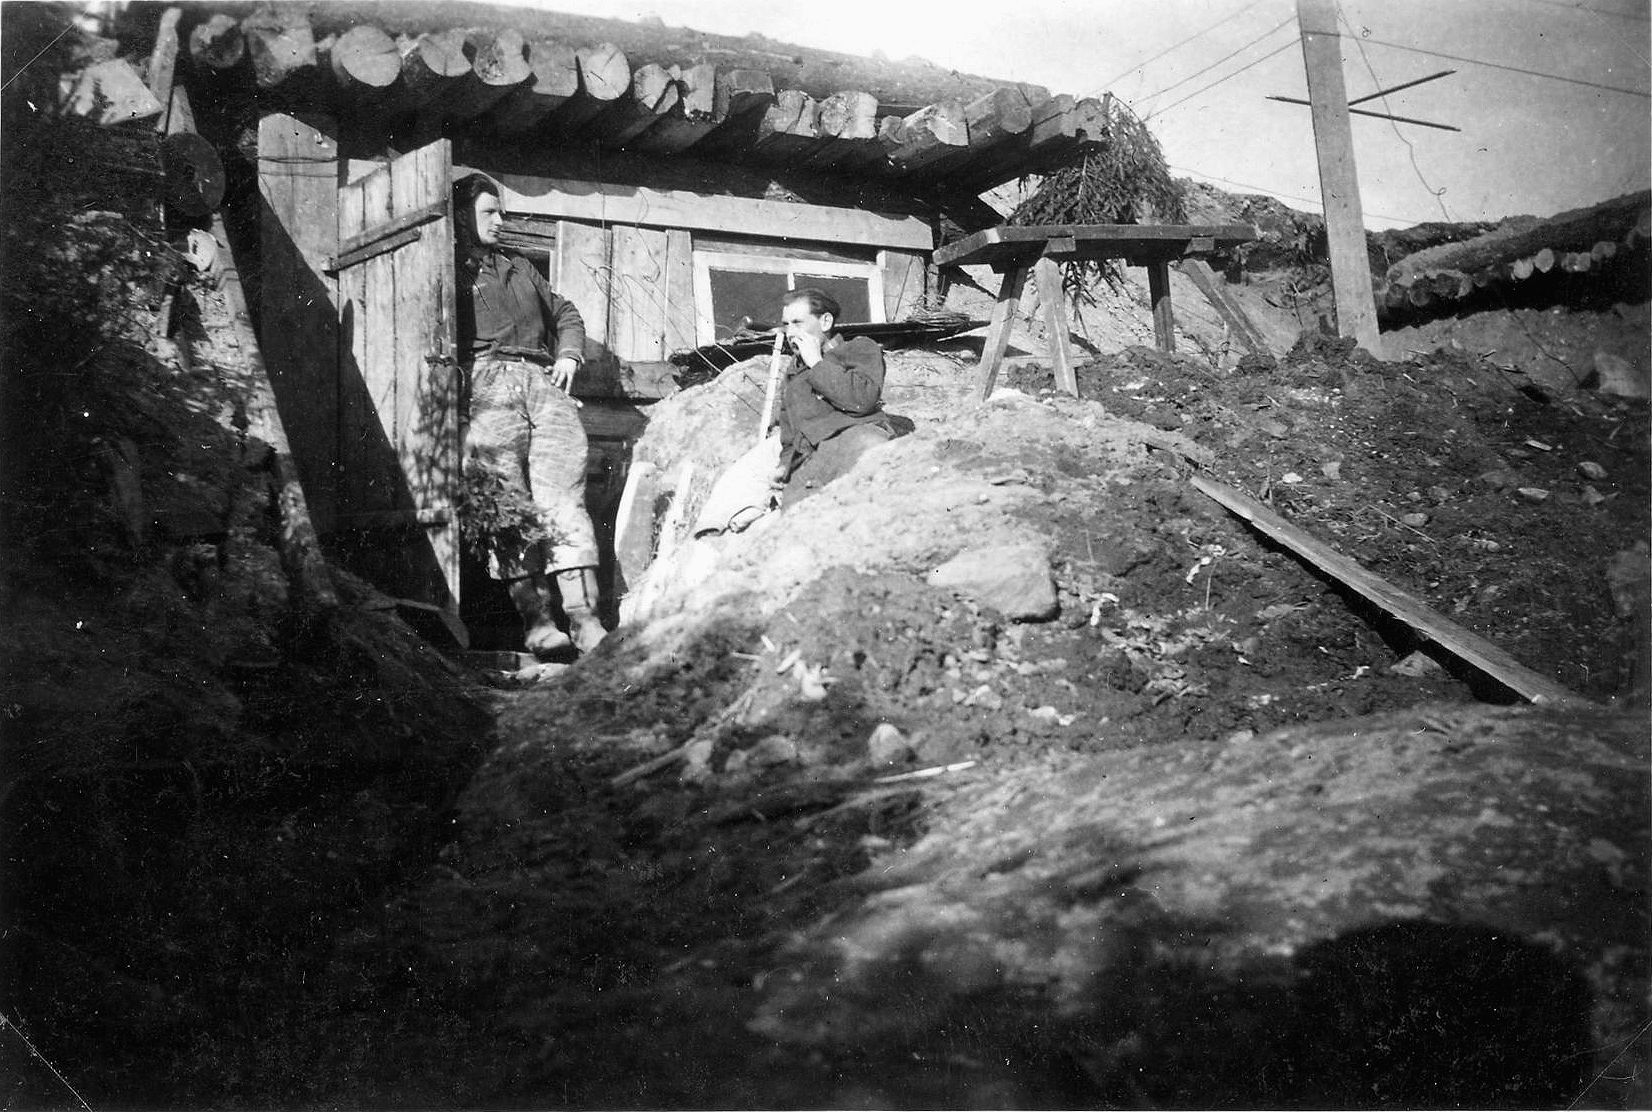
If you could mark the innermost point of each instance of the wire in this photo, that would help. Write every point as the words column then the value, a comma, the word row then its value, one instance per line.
column 1174, row 46
column 73, row 23
column 1411, row 151
column 1206, row 88
column 1219, row 61
column 1635, row 16
column 1512, row 69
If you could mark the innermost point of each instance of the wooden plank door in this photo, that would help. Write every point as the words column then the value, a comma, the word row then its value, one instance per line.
column 399, row 451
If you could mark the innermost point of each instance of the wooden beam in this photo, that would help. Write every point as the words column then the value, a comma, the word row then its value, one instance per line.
column 1229, row 309
column 598, row 202
column 653, row 95
column 1164, row 319
column 1428, row 623
column 298, row 184
column 498, row 66
column 604, row 80
column 1356, row 308
column 927, row 135
column 694, row 116
column 1002, row 243
column 1051, row 297
column 554, row 78
column 998, row 331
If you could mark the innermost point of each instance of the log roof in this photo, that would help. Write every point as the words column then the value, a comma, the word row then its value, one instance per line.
column 414, row 69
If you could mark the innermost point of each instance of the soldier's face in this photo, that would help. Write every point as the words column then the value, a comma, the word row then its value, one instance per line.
column 799, row 321
column 489, row 219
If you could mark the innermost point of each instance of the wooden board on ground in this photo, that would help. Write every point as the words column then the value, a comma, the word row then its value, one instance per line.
column 1408, row 608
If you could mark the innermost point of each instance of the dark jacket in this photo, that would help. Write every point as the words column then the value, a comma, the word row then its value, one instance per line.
column 845, row 388
column 504, row 303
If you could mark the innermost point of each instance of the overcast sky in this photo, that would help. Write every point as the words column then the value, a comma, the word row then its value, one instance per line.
column 1528, row 144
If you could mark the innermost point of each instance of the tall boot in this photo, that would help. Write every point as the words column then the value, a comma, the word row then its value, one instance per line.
column 540, row 636
column 580, row 601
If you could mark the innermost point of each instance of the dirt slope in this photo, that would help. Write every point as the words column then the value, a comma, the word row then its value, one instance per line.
column 1212, row 849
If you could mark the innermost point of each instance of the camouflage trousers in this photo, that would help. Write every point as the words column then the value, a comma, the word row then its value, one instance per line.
column 528, row 433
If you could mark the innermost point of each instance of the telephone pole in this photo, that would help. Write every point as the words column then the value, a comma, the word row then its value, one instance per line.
column 1338, row 179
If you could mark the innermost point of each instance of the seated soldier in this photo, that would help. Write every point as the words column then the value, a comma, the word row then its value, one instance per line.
column 831, row 403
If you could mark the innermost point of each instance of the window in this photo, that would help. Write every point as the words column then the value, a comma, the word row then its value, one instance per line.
column 730, row 288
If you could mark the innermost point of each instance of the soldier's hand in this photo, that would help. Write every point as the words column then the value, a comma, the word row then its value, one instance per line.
column 562, row 373
column 807, row 348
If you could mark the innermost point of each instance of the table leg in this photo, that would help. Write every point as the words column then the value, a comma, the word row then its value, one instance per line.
column 998, row 332
column 1164, row 321
column 1051, row 296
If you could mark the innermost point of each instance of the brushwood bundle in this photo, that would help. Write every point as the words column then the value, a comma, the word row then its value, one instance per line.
column 1123, row 180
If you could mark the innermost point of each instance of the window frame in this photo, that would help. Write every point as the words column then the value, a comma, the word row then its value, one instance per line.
column 705, row 322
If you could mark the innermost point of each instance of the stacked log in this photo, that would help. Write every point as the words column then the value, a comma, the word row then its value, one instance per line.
column 1420, row 289
column 691, row 118
column 494, row 81
column 553, row 79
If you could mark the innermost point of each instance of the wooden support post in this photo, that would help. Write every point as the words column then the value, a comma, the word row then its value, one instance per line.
column 998, row 332
column 1338, row 178
column 1232, row 313
column 1048, row 274
column 1164, row 320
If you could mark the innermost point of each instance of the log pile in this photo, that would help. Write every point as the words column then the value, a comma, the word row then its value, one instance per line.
column 409, row 83
column 1577, row 242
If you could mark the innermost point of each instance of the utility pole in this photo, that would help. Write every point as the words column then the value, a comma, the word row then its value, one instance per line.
column 1338, row 180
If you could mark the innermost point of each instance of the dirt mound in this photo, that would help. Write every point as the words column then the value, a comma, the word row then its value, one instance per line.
column 815, row 831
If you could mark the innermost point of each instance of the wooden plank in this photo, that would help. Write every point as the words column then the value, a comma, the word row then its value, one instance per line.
column 904, row 276
column 297, row 181
column 408, row 267
column 369, row 237
column 377, row 245
column 1005, row 242
column 583, row 257
column 1408, row 608
column 636, row 307
column 1164, row 319
column 1225, row 305
column 679, row 291
column 1051, row 299
column 598, row 202
column 998, row 332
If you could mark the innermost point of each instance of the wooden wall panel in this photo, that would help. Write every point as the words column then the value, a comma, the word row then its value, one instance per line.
column 636, row 303
column 904, row 277
column 583, row 255
column 298, row 184
column 679, row 291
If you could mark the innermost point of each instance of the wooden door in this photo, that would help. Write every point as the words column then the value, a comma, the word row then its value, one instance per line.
column 399, row 451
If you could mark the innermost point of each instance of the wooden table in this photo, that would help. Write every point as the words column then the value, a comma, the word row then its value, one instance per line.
column 1017, row 251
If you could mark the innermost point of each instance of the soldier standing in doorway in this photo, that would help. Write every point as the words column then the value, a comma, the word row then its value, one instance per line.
column 520, row 347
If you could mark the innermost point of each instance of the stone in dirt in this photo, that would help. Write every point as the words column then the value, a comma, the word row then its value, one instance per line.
column 887, row 746
column 1621, row 378
column 1013, row 579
